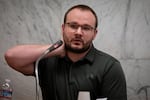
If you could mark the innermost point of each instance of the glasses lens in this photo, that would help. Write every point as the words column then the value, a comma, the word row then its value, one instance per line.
column 85, row 28
column 73, row 26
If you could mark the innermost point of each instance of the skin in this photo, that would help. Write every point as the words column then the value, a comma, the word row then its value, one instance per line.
column 22, row 57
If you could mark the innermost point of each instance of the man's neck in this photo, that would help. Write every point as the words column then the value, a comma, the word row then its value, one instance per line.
column 76, row 56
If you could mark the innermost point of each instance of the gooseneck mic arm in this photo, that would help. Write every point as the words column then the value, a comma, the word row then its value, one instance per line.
column 50, row 49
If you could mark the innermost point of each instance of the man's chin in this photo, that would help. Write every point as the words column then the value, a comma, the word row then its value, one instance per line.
column 77, row 49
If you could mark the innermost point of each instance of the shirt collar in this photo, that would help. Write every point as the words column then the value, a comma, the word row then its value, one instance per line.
column 90, row 55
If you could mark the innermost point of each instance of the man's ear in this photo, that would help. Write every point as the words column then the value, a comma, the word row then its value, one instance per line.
column 62, row 27
column 95, row 33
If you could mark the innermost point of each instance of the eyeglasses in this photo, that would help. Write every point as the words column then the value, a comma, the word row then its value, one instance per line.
column 84, row 28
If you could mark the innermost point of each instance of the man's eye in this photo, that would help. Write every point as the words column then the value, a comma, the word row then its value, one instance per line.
column 74, row 26
column 86, row 28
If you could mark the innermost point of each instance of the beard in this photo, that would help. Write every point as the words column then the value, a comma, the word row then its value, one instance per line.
column 76, row 50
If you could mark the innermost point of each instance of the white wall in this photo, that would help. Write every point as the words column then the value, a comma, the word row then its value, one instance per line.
column 124, row 32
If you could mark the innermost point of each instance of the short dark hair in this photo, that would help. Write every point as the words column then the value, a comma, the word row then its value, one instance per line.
column 82, row 7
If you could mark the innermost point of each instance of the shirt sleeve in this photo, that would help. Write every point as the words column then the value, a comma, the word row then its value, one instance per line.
column 114, row 83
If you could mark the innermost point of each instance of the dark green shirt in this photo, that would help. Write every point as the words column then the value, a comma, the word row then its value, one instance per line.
column 97, row 73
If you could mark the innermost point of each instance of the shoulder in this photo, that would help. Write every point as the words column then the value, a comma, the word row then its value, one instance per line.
column 108, row 64
column 103, row 56
column 48, row 63
column 104, row 61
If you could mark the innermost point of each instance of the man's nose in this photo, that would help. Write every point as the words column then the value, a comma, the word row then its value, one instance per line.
column 79, row 30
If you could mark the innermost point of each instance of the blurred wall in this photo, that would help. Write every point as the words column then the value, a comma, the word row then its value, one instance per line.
column 123, row 32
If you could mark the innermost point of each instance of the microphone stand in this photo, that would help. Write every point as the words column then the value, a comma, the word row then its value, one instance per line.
column 50, row 49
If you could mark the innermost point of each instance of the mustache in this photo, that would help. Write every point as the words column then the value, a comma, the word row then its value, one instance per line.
column 77, row 39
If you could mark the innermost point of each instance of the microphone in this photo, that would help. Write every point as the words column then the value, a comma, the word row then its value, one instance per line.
column 55, row 45
column 50, row 49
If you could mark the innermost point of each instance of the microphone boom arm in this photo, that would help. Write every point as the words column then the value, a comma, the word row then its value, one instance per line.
column 50, row 49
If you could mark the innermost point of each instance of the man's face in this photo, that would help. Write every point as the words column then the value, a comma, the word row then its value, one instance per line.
column 79, row 30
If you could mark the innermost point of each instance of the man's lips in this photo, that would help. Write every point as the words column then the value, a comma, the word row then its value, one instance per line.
column 77, row 41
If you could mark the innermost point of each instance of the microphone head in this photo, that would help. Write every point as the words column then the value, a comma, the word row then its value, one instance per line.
column 55, row 45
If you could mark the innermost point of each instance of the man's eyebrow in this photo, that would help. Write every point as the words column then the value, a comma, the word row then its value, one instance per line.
column 80, row 24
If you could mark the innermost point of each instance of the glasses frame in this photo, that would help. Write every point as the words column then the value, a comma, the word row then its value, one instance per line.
column 84, row 28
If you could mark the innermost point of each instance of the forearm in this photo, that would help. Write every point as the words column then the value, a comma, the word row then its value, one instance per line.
column 24, row 54
column 21, row 58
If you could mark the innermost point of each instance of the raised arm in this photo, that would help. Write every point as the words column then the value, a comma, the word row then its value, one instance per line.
column 21, row 58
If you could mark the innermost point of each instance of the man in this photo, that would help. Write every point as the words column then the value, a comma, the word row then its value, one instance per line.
column 75, row 66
